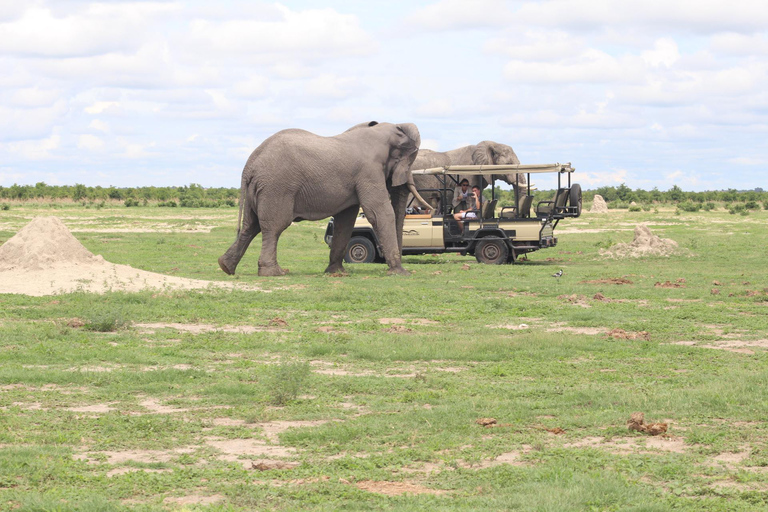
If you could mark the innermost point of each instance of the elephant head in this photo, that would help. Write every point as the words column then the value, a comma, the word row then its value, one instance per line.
column 493, row 153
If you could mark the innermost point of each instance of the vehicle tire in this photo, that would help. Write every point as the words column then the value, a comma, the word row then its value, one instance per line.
column 491, row 251
column 360, row 250
column 574, row 198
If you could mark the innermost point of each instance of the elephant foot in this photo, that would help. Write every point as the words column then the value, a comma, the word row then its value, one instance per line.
column 223, row 265
column 398, row 271
column 273, row 270
column 336, row 269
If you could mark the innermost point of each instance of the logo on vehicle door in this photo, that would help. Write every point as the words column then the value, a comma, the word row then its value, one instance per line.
column 410, row 232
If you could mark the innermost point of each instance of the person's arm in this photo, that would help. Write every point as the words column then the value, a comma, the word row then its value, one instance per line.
column 456, row 197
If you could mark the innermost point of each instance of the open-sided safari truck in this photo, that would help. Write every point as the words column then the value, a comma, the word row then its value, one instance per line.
column 496, row 236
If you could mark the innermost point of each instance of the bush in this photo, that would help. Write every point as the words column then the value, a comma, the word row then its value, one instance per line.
column 286, row 382
column 688, row 206
column 105, row 321
column 131, row 202
column 738, row 208
column 168, row 204
column 752, row 205
column 5, row 206
column 709, row 206
column 635, row 208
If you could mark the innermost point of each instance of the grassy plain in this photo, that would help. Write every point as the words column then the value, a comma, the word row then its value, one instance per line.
column 362, row 392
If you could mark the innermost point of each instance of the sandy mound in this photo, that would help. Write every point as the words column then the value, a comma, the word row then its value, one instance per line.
column 598, row 205
column 44, row 258
column 644, row 244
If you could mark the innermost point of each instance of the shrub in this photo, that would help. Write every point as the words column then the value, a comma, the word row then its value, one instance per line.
column 286, row 382
column 105, row 321
column 752, row 205
column 688, row 206
column 738, row 208
column 169, row 204
column 131, row 202
column 5, row 206
column 635, row 208
column 709, row 206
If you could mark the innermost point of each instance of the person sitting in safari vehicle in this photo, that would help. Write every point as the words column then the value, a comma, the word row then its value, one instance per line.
column 475, row 202
column 460, row 195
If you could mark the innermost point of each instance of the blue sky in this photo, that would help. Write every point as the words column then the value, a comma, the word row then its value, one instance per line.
column 649, row 93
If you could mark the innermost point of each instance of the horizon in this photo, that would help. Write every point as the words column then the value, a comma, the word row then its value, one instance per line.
column 648, row 93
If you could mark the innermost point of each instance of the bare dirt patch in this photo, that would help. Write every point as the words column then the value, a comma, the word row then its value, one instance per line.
column 151, row 328
column 729, row 345
column 395, row 488
column 610, row 280
column 145, row 456
column 44, row 258
column 576, row 300
column 194, row 499
column 628, row 445
column 621, row 334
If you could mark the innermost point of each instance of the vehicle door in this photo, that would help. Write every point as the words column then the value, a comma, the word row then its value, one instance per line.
column 417, row 230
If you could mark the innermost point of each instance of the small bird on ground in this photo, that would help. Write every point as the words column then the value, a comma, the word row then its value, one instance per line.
column 558, row 274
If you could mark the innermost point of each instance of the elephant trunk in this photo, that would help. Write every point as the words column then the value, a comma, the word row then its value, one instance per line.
column 412, row 189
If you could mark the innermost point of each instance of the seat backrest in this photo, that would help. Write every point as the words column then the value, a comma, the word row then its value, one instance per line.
column 489, row 208
column 561, row 197
column 524, row 211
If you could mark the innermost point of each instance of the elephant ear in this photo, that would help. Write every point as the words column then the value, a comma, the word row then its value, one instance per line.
column 404, row 146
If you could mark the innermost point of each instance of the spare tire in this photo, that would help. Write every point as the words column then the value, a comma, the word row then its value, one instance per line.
column 574, row 199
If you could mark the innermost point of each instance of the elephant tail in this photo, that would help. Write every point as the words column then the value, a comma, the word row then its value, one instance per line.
column 243, row 186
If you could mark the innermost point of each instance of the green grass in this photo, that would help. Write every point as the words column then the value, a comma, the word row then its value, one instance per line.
column 370, row 378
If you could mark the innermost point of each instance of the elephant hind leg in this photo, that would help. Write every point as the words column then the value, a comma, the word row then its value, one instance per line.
column 279, row 220
column 251, row 227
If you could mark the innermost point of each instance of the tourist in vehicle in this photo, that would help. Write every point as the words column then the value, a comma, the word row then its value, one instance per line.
column 475, row 202
column 460, row 196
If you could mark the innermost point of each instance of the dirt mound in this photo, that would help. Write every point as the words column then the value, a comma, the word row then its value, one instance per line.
column 44, row 243
column 598, row 205
column 644, row 244
column 44, row 258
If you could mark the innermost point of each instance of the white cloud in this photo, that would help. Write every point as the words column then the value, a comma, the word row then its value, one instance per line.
column 102, row 106
column 460, row 14
column 34, row 97
column 39, row 149
column 665, row 53
column 100, row 28
column 703, row 16
column 332, row 86
column 90, row 142
column 256, row 86
column 436, row 108
column 305, row 35
column 99, row 125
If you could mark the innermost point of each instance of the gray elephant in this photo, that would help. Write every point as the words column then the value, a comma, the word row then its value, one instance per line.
column 297, row 175
column 483, row 153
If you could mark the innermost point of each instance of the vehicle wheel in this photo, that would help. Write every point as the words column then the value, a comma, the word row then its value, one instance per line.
column 360, row 250
column 574, row 198
column 491, row 251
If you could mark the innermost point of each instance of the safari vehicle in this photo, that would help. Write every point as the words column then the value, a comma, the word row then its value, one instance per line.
column 496, row 236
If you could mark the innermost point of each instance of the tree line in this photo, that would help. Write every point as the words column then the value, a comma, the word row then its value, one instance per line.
column 197, row 196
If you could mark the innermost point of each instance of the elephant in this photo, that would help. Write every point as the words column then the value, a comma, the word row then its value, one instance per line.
column 296, row 175
column 482, row 153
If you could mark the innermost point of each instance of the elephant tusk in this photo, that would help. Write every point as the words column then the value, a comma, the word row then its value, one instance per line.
column 416, row 194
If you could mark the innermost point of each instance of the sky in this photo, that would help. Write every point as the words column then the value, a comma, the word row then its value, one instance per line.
column 649, row 93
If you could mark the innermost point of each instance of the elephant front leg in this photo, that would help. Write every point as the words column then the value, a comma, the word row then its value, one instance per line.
column 343, row 224
column 382, row 218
